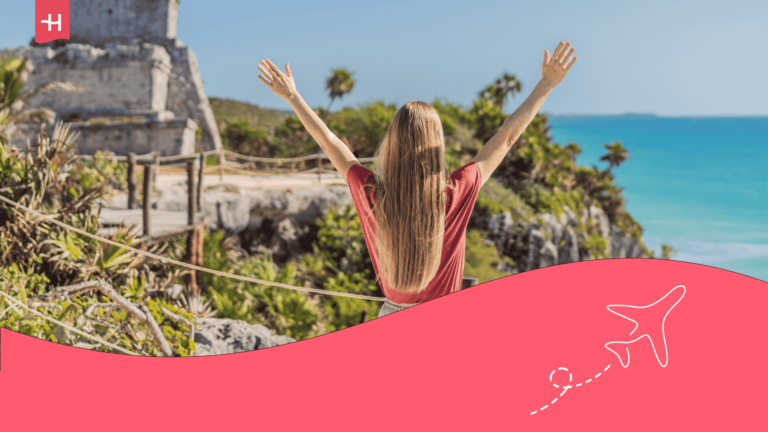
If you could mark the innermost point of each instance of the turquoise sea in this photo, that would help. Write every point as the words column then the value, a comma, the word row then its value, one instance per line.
column 698, row 184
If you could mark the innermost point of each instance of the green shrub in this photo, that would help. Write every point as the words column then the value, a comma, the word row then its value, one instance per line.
column 347, row 312
column 481, row 260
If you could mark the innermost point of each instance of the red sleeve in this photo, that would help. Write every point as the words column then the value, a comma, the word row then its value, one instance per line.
column 357, row 176
column 466, row 185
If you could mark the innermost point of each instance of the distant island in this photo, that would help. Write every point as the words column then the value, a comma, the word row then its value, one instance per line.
column 625, row 115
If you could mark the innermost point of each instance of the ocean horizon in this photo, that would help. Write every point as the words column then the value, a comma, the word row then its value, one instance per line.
column 698, row 184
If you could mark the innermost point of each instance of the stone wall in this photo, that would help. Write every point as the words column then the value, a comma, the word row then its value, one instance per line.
column 187, row 98
column 120, row 80
column 123, row 21
column 170, row 137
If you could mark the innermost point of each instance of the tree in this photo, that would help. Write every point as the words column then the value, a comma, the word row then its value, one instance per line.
column 573, row 149
column 340, row 83
column 616, row 156
column 488, row 118
column 667, row 251
column 506, row 86
column 238, row 135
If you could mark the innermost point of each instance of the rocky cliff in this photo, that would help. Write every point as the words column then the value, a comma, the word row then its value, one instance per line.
column 545, row 239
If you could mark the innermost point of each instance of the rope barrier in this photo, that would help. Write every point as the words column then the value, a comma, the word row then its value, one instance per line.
column 149, row 156
column 82, row 333
column 118, row 158
column 228, row 167
column 275, row 160
column 187, row 265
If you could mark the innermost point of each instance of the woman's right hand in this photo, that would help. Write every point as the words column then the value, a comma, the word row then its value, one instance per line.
column 280, row 83
column 553, row 71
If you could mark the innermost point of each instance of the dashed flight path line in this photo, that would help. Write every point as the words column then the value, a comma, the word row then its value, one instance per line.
column 567, row 386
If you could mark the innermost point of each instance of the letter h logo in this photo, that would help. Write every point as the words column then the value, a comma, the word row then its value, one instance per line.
column 46, row 29
column 49, row 22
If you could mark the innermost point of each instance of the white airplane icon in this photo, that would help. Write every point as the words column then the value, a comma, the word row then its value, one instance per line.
column 646, row 319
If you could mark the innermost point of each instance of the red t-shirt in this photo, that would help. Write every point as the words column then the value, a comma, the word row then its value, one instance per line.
column 460, row 201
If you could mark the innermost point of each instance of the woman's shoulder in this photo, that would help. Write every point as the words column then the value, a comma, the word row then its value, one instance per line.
column 465, row 184
column 467, row 175
column 359, row 175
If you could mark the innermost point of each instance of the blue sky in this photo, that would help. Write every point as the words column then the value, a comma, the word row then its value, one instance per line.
column 679, row 58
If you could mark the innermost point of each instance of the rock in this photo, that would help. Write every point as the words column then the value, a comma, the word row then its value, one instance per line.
column 62, row 335
column 286, row 231
column 602, row 220
column 174, row 291
column 506, row 267
column 547, row 255
column 546, row 240
column 214, row 336
column 569, row 214
column 536, row 240
column 283, row 222
column 569, row 251
column 623, row 246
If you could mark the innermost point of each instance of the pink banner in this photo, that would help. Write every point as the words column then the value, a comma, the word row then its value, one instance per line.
column 621, row 344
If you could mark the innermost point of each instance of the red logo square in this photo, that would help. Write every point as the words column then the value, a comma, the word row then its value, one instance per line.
column 51, row 20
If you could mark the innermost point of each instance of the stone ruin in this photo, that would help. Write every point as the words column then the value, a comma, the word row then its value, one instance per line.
column 138, row 86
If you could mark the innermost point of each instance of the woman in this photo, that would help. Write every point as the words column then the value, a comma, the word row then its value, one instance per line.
column 414, row 217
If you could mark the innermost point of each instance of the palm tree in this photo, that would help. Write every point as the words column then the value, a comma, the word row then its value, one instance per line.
column 616, row 156
column 507, row 85
column 667, row 251
column 573, row 150
column 340, row 83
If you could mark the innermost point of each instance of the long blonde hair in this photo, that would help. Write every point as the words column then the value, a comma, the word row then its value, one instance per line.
column 411, row 177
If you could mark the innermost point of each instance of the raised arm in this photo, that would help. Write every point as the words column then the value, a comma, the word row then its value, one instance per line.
column 493, row 152
column 282, row 85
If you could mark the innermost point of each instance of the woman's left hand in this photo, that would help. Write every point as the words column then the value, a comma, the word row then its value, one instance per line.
column 554, row 70
column 280, row 83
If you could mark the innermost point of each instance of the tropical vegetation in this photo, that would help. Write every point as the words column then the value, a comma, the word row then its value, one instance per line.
column 38, row 258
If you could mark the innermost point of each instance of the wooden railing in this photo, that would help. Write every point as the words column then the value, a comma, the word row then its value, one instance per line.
column 151, row 163
column 194, row 187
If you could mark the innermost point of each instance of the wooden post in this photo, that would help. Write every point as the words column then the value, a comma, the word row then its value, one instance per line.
column 468, row 281
column 222, row 161
column 156, row 156
column 200, row 180
column 191, row 195
column 195, row 257
column 131, row 180
column 147, row 197
column 319, row 167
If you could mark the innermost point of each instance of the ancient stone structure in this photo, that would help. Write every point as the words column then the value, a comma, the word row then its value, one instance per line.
column 140, row 88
